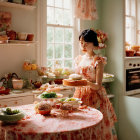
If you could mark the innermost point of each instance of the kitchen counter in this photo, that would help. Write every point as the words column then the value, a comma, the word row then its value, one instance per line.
column 27, row 97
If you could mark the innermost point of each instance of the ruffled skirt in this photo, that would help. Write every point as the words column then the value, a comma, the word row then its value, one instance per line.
column 99, row 100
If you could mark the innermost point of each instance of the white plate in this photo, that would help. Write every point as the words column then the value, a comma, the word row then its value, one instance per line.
column 37, row 91
column 17, row 91
column 58, row 96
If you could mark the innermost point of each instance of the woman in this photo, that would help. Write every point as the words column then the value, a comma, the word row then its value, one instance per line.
column 91, row 67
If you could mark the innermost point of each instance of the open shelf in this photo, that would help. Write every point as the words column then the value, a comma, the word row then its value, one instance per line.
column 110, row 96
column 15, row 5
column 18, row 43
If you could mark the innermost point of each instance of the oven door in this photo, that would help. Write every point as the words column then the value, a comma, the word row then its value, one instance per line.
column 132, row 79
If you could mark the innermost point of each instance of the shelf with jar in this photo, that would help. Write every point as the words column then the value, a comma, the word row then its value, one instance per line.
column 17, row 5
column 11, row 38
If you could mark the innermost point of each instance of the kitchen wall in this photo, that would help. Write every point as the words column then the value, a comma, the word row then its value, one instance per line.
column 127, row 108
column 12, row 57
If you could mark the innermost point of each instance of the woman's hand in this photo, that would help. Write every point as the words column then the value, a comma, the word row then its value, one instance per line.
column 94, row 86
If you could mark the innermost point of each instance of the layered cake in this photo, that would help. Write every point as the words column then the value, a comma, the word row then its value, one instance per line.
column 75, row 80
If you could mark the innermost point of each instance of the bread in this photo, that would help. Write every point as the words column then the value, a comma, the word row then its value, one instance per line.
column 3, row 37
column 135, row 47
column 137, row 53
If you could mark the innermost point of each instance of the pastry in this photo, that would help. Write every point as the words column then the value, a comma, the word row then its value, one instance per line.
column 43, row 108
column 135, row 47
column 137, row 53
column 3, row 37
column 75, row 80
column 130, row 52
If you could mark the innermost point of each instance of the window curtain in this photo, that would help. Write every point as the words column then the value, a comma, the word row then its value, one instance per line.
column 85, row 9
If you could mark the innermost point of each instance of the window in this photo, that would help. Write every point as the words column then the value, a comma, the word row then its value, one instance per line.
column 132, row 20
column 60, row 33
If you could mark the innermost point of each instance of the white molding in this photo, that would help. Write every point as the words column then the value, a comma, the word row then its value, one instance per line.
column 124, row 37
column 41, row 33
column 38, row 33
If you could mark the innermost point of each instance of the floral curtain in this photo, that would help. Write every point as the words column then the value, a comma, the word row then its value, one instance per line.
column 85, row 9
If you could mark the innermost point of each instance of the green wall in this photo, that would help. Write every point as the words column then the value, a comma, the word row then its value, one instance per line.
column 127, row 108
column 111, row 20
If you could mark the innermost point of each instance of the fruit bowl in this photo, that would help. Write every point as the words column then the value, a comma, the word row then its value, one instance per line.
column 37, row 84
column 11, row 118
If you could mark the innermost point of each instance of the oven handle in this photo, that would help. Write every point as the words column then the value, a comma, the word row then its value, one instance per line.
column 133, row 71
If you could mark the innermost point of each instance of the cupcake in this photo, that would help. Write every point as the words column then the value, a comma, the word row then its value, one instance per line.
column 43, row 108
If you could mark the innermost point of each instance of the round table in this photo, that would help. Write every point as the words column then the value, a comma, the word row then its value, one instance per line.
column 84, row 124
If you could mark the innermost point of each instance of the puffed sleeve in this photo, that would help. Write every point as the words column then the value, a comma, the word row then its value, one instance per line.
column 77, row 60
column 100, row 59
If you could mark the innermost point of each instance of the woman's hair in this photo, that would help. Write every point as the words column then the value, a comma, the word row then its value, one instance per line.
column 89, row 36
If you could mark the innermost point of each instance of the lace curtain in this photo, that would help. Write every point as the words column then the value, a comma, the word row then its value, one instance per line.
column 85, row 9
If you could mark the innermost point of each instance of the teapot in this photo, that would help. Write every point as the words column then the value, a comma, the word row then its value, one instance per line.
column 7, row 80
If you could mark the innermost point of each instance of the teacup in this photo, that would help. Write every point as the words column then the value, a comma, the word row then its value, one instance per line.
column 22, row 36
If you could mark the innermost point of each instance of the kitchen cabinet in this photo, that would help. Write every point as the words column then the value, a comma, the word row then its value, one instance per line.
column 17, row 99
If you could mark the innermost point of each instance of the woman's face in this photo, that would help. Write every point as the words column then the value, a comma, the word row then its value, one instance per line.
column 86, row 47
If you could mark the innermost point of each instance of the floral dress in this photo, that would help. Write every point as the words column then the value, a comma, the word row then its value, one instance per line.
column 97, row 99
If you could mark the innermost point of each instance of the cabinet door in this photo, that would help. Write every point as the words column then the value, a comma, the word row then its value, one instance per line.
column 28, row 99
column 16, row 101
column 11, row 102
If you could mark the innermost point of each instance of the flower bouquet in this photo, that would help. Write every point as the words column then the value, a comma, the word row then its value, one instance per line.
column 102, row 38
